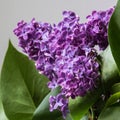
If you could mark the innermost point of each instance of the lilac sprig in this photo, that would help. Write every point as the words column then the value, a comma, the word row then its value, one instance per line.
column 66, row 53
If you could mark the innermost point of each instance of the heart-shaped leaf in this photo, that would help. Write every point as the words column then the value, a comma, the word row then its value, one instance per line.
column 22, row 87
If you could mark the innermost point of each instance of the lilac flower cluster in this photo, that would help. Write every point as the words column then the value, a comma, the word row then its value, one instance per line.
column 66, row 53
column 59, row 102
column 97, row 26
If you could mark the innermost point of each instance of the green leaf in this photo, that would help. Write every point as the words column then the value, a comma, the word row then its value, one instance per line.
column 111, row 113
column 22, row 87
column 69, row 117
column 115, row 88
column 84, row 118
column 43, row 113
column 2, row 114
column 114, row 34
column 80, row 106
column 109, row 70
column 113, row 99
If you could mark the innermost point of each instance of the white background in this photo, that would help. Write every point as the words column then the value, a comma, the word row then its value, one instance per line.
column 12, row 11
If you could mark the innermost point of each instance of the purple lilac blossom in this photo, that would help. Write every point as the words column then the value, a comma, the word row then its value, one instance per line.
column 30, row 37
column 33, row 38
column 66, row 53
column 97, row 26
column 79, row 76
column 59, row 102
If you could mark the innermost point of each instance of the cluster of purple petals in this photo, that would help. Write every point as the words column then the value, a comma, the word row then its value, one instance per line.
column 97, row 27
column 59, row 102
column 66, row 53
column 31, row 36
column 78, row 75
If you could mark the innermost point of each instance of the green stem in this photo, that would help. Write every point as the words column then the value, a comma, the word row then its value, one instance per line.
column 91, row 114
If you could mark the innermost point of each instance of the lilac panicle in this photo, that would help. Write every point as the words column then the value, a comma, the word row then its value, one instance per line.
column 66, row 53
